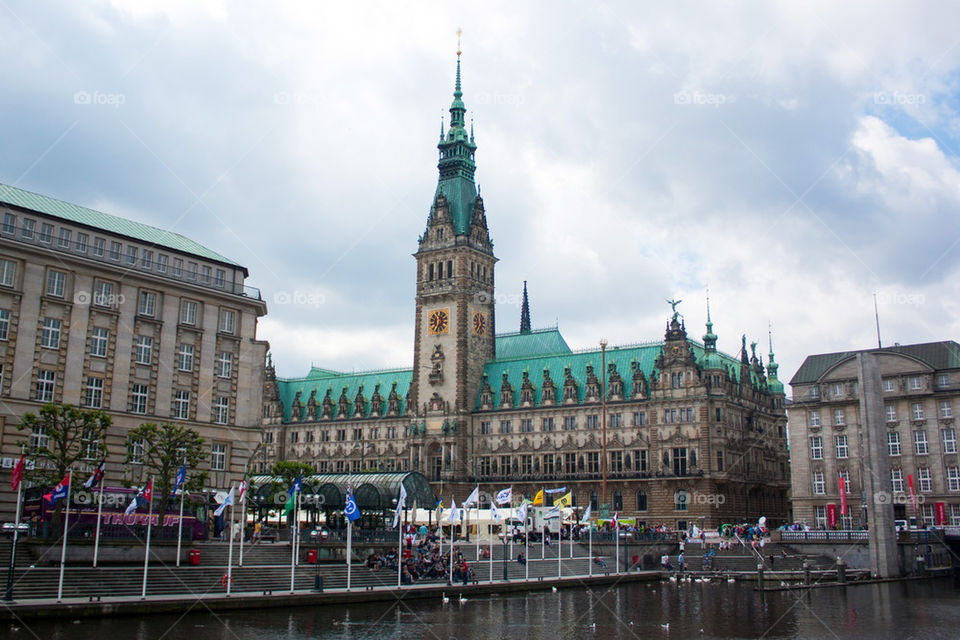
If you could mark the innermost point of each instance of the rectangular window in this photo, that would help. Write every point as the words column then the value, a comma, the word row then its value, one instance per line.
column 4, row 324
column 99, row 339
column 953, row 478
column 205, row 274
column 98, row 244
column 923, row 474
column 526, row 465
column 162, row 261
column 547, row 424
column 616, row 420
column 891, row 413
column 570, row 462
column 615, row 462
column 191, row 270
column 218, row 457
column 50, row 333
column 146, row 262
column 814, row 393
column 93, row 394
column 185, row 357
column 641, row 457
column 816, row 448
column 224, row 365
column 845, row 476
column 888, row 385
column 569, row 423
column 227, row 319
column 920, row 442
column 893, row 443
column 29, row 226
column 593, row 462
column 504, row 426
column 640, row 419
column 38, row 438
column 838, row 417
column 949, row 441
column 9, row 223
column 144, row 349
column 946, row 411
column 63, row 240
column 115, row 249
column 131, row 255
column 593, row 421
column 8, row 272
column 181, row 404
column 818, row 485
column 138, row 398
column 719, row 460
column 814, row 417
column 148, row 304
column 837, row 390
column 46, row 232
column 177, row 270
column 917, row 411
column 46, row 381
column 56, row 283
column 943, row 379
column 221, row 410
column 218, row 280
column 485, row 428
column 103, row 294
column 188, row 312
column 526, row 425
column 843, row 450
column 680, row 461
column 916, row 383
column 82, row 241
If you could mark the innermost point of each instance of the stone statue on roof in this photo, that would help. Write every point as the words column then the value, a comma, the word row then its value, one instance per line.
column 673, row 304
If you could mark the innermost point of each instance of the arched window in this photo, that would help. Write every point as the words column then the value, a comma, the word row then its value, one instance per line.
column 641, row 500
column 594, row 501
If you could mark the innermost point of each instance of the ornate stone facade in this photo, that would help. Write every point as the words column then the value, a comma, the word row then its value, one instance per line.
column 691, row 435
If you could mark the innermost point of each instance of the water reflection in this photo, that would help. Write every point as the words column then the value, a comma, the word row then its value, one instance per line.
column 659, row 610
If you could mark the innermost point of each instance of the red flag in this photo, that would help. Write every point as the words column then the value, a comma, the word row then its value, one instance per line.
column 913, row 495
column 843, row 496
column 148, row 492
column 831, row 515
column 17, row 476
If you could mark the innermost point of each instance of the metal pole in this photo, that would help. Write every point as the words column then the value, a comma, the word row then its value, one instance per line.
column 66, row 530
column 590, row 549
column 96, row 539
column 183, row 491
column 349, row 551
column 526, row 550
column 603, row 417
column 293, row 544
column 243, row 516
column 400, row 550
column 146, row 553
column 230, row 553
column 8, row 596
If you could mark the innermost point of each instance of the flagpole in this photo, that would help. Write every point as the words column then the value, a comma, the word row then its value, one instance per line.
column 616, row 534
column 183, row 491
column 230, row 551
column 590, row 546
column 399, row 541
column 66, row 529
column 146, row 555
column 96, row 539
column 526, row 550
column 349, row 549
column 293, row 542
column 490, row 548
column 8, row 596
column 243, row 515
column 296, row 523
column 453, row 537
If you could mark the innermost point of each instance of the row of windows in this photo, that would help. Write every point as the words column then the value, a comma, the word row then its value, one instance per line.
column 924, row 480
column 916, row 413
column 130, row 255
column 913, row 383
column 93, row 396
column 927, row 514
column 339, row 435
column 920, row 444
column 592, row 421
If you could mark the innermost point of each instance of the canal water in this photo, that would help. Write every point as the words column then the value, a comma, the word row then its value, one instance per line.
column 918, row 609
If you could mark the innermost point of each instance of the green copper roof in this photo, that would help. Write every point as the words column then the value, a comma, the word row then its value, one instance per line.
column 106, row 222
column 534, row 343
column 321, row 380
column 457, row 165
column 938, row 355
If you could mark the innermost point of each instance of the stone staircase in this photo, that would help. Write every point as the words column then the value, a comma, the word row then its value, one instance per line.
column 744, row 559
column 261, row 573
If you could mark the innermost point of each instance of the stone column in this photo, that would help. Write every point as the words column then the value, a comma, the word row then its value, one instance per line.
column 876, row 478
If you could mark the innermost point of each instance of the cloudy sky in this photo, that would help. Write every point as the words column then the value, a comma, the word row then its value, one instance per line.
column 794, row 158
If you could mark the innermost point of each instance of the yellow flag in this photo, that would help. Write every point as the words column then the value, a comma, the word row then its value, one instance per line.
column 538, row 499
column 565, row 501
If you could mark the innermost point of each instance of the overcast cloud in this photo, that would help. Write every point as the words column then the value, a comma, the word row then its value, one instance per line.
column 795, row 158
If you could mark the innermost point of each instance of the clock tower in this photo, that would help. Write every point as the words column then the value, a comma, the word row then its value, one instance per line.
column 454, row 316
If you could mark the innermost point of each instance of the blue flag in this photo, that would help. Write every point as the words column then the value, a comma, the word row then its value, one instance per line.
column 179, row 480
column 439, row 502
column 350, row 509
column 296, row 485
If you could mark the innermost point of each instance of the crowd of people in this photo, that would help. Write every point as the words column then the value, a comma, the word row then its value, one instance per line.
column 422, row 558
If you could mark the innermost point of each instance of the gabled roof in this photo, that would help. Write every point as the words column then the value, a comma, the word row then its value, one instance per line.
column 938, row 355
column 534, row 343
column 106, row 222
column 322, row 379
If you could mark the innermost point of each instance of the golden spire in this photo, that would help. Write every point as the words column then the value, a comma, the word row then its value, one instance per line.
column 459, row 33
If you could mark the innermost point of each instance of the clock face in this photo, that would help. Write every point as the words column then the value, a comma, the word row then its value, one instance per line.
column 439, row 321
column 479, row 324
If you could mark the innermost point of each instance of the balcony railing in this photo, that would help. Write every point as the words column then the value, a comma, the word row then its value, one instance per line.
column 51, row 242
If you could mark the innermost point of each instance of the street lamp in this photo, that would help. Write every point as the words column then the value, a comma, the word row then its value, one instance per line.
column 603, row 417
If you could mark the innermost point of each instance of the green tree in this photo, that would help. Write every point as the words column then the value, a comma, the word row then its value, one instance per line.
column 289, row 471
column 63, row 435
column 163, row 449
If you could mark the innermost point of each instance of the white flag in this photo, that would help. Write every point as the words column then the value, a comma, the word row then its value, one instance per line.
column 401, row 503
column 522, row 511
column 586, row 515
column 226, row 503
column 472, row 498
column 453, row 511
column 504, row 496
column 494, row 514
